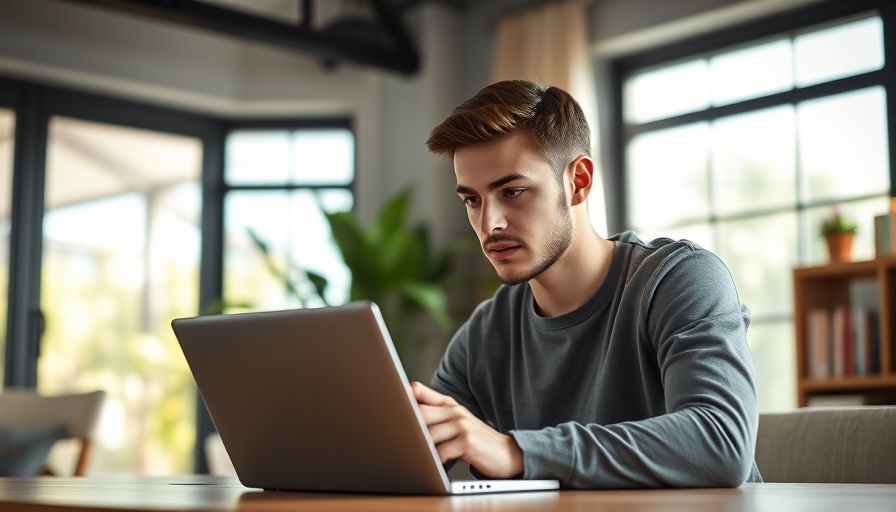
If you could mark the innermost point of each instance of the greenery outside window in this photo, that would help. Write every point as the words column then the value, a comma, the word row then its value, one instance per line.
column 279, row 181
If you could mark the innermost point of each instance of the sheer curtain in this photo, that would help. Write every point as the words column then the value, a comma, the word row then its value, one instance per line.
column 549, row 45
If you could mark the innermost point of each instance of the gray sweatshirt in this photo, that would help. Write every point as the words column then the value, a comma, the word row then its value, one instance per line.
column 648, row 384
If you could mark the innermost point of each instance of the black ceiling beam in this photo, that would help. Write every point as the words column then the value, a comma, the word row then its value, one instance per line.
column 402, row 58
column 457, row 5
column 307, row 13
column 392, row 21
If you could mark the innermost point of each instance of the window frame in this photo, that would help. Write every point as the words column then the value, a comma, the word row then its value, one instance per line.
column 292, row 124
column 618, row 134
column 34, row 104
column 789, row 23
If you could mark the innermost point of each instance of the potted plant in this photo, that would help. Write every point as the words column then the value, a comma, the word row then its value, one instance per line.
column 838, row 232
column 391, row 263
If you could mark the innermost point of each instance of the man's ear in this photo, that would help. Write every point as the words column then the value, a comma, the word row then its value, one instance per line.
column 582, row 177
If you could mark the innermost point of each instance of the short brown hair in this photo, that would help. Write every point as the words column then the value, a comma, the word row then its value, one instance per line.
column 550, row 116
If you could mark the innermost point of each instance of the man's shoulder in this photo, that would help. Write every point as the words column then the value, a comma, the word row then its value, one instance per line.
column 657, row 252
column 660, row 244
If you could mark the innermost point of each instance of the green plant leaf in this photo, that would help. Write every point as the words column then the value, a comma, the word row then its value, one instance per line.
column 282, row 275
column 440, row 265
column 401, row 259
column 391, row 264
column 391, row 218
column 259, row 243
column 320, row 284
column 419, row 266
column 351, row 241
column 431, row 298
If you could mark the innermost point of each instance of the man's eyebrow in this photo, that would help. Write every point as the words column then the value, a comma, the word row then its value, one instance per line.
column 500, row 182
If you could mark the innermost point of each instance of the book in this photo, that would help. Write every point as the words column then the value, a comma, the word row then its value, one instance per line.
column 818, row 333
column 864, row 301
column 860, row 319
column 873, row 332
column 849, row 341
column 882, row 245
column 838, row 341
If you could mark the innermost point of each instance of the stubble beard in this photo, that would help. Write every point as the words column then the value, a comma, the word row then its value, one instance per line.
column 554, row 250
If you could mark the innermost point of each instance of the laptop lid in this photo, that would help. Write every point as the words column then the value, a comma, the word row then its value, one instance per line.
column 317, row 400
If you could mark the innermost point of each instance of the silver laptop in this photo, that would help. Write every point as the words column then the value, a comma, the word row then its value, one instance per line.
column 317, row 400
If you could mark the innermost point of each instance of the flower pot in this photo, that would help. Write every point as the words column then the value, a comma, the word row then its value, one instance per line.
column 839, row 246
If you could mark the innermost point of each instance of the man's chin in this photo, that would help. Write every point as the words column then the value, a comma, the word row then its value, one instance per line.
column 511, row 278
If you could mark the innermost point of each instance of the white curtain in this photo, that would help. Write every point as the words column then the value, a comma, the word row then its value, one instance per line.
column 548, row 44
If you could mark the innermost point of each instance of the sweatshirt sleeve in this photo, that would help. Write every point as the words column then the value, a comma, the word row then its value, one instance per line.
column 451, row 377
column 692, row 319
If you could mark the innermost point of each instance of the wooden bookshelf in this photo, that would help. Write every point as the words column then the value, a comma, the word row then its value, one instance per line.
column 832, row 287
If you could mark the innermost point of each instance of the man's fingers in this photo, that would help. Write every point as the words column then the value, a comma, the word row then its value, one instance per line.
column 429, row 396
column 449, row 450
column 441, row 432
column 435, row 414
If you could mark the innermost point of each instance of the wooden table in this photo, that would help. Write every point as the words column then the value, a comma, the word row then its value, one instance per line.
column 217, row 494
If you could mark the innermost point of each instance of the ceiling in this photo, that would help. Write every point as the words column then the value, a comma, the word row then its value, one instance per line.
column 367, row 32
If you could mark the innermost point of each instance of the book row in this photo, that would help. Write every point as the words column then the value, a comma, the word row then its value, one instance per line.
column 842, row 341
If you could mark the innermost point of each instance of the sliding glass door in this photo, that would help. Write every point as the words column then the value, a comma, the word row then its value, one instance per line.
column 121, row 250
column 112, row 224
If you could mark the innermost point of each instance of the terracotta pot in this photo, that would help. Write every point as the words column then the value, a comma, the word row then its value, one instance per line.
column 839, row 246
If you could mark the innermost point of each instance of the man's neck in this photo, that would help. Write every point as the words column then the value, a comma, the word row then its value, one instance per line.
column 573, row 279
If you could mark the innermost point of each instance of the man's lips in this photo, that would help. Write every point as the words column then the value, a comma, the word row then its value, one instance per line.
column 502, row 248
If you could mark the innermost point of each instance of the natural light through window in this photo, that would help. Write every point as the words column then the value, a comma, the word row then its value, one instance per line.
column 760, row 159
column 7, row 142
column 282, row 184
column 751, row 72
column 840, row 51
column 120, row 261
column 673, row 90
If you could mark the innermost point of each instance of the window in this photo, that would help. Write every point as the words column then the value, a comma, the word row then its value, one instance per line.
column 280, row 182
column 744, row 147
column 120, row 216
column 120, row 261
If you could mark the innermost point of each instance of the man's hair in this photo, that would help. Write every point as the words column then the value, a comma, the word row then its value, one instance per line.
column 552, row 119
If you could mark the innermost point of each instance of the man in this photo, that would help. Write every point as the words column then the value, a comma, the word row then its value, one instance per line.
column 602, row 363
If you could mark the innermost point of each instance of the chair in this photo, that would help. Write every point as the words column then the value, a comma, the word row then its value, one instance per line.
column 25, row 414
column 836, row 445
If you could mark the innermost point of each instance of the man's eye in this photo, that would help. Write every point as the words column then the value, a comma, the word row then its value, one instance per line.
column 471, row 201
column 513, row 192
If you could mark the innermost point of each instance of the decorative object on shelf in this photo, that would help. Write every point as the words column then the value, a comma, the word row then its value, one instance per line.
column 838, row 232
column 845, row 347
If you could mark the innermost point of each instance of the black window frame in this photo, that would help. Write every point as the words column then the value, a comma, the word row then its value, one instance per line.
column 789, row 22
column 33, row 104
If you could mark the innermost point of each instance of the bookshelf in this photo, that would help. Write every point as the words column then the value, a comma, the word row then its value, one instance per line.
column 843, row 314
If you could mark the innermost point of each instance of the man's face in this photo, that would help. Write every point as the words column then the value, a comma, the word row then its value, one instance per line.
column 515, row 205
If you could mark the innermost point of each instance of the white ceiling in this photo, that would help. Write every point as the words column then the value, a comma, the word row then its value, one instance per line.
column 88, row 161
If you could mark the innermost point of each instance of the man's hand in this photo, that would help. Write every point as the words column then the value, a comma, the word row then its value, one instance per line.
column 458, row 434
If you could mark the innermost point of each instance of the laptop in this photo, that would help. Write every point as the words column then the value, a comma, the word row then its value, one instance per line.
column 317, row 400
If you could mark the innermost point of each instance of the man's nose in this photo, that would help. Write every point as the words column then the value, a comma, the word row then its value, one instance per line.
column 493, row 218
